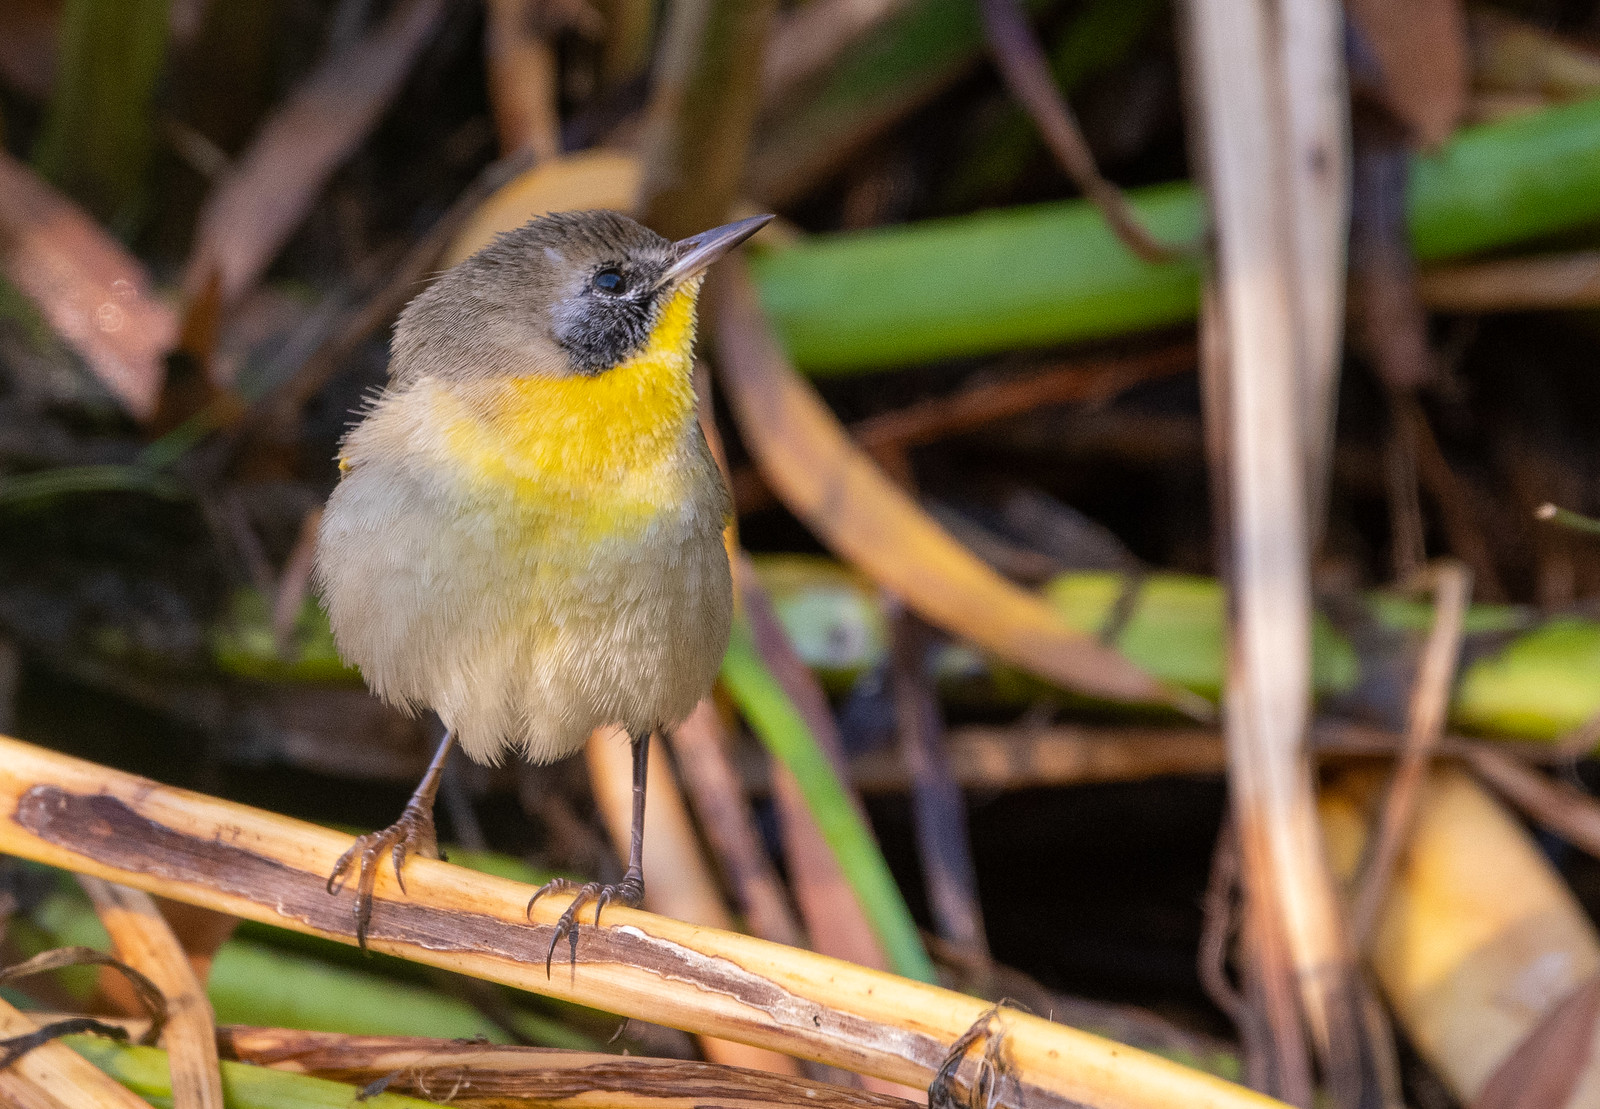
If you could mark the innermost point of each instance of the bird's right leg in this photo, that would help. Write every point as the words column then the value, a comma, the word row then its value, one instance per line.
column 413, row 832
column 629, row 891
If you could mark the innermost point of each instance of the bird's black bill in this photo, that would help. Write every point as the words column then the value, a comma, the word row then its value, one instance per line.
column 698, row 252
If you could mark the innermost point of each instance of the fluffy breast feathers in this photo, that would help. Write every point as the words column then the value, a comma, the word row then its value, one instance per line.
column 531, row 556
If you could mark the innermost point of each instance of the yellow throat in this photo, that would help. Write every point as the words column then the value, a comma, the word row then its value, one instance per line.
column 603, row 448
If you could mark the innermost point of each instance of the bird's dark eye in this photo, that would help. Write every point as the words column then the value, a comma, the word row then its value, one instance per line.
column 610, row 280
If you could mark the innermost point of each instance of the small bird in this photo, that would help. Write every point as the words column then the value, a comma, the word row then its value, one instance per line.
column 526, row 537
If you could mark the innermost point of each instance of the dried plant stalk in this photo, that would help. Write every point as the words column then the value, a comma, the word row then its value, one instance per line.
column 698, row 122
column 1430, row 704
column 938, row 808
column 1556, row 806
column 497, row 1076
column 523, row 75
column 986, row 757
column 1257, row 381
column 144, row 941
column 1317, row 126
column 69, row 813
column 687, row 891
column 1514, row 284
column 54, row 1075
column 17, row 1092
column 474, row 1073
column 834, row 908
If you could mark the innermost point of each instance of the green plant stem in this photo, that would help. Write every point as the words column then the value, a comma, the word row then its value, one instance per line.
column 1015, row 277
column 1054, row 273
column 1573, row 521
column 99, row 131
column 244, row 1085
column 778, row 724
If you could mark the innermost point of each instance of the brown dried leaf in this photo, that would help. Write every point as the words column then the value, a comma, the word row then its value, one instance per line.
column 95, row 295
column 850, row 504
column 590, row 179
column 263, row 198
column 1544, row 1070
column 1422, row 51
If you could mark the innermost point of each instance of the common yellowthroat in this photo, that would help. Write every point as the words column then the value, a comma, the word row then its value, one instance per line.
column 526, row 536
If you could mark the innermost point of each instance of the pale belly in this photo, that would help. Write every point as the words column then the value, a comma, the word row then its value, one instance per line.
column 524, row 628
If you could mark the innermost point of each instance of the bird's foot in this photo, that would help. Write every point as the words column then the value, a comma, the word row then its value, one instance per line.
column 629, row 892
column 414, row 832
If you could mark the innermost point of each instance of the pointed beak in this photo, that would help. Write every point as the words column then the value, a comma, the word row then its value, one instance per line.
column 698, row 252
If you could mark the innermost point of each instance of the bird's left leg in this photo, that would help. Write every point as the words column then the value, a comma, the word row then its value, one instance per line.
column 413, row 832
column 629, row 891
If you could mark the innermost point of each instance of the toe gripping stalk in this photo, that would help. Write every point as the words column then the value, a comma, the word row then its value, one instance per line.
column 413, row 832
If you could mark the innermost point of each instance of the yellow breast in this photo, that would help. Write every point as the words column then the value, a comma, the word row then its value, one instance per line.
column 602, row 450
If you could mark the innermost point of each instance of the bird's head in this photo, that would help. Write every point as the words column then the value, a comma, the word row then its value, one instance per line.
column 572, row 293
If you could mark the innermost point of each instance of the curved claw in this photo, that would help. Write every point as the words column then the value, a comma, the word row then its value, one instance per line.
column 567, row 926
column 564, row 924
column 398, row 857
column 628, row 892
column 336, row 876
column 554, row 885
column 414, row 831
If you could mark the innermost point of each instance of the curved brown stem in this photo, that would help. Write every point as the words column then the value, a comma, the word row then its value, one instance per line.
column 1026, row 72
